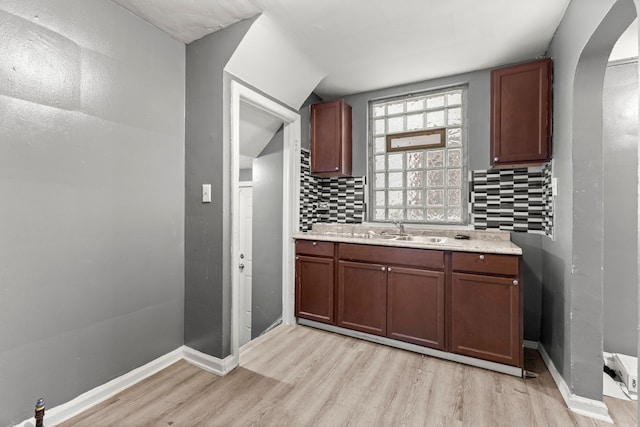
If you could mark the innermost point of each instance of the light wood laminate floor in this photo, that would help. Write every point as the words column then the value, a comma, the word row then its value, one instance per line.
column 300, row 376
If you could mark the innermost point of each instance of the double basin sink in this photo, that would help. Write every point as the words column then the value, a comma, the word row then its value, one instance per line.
column 407, row 237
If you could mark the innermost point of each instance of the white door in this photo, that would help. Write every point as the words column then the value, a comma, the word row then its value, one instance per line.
column 246, row 217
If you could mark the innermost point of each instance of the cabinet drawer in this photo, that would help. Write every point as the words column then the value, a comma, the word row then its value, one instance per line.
column 505, row 265
column 310, row 247
column 424, row 258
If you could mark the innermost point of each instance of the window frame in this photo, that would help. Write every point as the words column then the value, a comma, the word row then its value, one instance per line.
column 371, row 157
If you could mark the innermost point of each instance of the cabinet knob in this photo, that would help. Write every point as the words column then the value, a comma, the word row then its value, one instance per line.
column 515, row 282
column 481, row 256
column 337, row 168
column 384, row 268
column 495, row 159
column 297, row 257
column 389, row 269
column 315, row 243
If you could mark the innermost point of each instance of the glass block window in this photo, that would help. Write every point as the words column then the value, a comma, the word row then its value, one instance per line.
column 423, row 185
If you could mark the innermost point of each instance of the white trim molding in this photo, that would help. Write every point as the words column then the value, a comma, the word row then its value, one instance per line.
column 241, row 94
column 209, row 363
column 95, row 396
column 578, row 404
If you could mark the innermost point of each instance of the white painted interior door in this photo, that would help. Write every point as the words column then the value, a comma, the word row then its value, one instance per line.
column 246, row 220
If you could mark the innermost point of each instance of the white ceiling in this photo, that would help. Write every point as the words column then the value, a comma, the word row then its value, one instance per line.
column 362, row 45
column 343, row 47
column 189, row 20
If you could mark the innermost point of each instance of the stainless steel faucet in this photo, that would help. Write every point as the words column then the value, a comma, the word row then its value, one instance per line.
column 399, row 225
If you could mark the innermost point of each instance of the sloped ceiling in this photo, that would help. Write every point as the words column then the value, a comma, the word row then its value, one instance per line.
column 362, row 45
column 271, row 62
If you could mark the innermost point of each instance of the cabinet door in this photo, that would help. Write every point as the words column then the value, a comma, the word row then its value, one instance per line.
column 485, row 318
column 331, row 139
column 521, row 114
column 362, row 297
column 314, row 288
column 415, row 306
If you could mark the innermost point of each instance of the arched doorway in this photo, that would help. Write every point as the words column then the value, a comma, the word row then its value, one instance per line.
column 587, row 308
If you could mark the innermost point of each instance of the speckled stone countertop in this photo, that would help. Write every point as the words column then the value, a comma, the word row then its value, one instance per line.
column 495, row 242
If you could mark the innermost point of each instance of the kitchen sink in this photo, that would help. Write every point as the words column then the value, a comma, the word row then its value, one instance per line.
column 384, row 236
column 375, row 236
column 407, row 237
column 426, row 239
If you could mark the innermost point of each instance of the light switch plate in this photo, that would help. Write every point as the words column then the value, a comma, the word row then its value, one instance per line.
column 206, row 193
column 554, row 186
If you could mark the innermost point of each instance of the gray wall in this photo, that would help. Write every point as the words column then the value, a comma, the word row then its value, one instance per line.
column 572, row 301
column 267, row 236
column 92, row 184
column 207, row 314
column 620, row 107
column 305, row 120
column 478, row 126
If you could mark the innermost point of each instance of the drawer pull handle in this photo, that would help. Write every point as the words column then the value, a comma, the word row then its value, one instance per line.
column 515, row 282
column 315, row 243
column 481, row 256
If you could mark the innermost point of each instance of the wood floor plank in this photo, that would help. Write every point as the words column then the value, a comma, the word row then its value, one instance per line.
column 300, row 376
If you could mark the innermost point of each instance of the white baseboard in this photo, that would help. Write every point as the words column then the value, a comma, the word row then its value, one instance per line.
column 209, row 363
column 66, row 411
column 578, row 404
column 531, row 344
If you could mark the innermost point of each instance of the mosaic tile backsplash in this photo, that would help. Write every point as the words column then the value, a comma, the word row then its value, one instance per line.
column 512, row 199
column 499, row 199
column 336, row 199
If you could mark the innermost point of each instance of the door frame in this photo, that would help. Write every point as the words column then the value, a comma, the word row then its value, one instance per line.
column 290, row 201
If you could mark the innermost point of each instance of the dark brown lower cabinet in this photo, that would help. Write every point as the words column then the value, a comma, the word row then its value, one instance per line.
column 314, row 288
column 415, row 306
column 485, row 318
column 459, row 302
column 362, row 297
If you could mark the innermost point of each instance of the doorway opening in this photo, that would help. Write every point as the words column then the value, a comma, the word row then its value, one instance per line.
column 245, row 247
column 243, row 98
column 620, row 183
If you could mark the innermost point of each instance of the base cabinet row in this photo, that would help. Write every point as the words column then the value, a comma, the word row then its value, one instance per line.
column 463, row 303
column 406, row 304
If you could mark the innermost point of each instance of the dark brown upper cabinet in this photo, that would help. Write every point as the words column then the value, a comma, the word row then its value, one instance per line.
column 521, row 114
column 331, row 139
